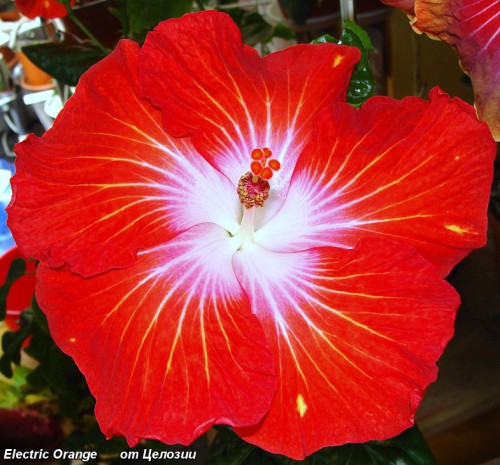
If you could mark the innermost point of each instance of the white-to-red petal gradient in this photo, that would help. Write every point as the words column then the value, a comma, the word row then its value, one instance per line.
column 168, row 345
column 211, row 86
column 107, row 180
column 414, row 171
column 355, row 333
column 472, row 27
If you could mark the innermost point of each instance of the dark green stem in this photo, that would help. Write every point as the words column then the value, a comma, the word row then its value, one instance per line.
column 83, row 28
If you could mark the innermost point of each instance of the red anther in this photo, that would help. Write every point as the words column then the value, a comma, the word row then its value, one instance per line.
column 274, row 164
column 267, row 152
column 257, row 154
column 266, row 173
column 256, row 167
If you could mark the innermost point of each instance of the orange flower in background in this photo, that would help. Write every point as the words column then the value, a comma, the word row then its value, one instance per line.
column 48, row 9
column 472, row 28
column 224, row 240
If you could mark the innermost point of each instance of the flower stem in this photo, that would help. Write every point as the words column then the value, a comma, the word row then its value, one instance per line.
column 347, row 10
column 83, row 28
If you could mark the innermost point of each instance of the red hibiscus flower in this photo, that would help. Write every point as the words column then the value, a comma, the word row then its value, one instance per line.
column 471, row 27
column 48, row 9
column 306, row 317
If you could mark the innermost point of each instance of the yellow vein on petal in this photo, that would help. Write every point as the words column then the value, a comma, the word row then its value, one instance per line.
column 365, row 169
column 356, row 294
column 315, row 365
column 283, row 330
column 291, row 126
column 316, row 190
column 147, row 113
column 120, row 303
column 106, row 135
column 298, row 310
column 202, row 331
column 404, row 201
column 380, row 189
column 129, row 323
column 179, row 326
column 226, row 150
column 224, row 112
column 241, row 101
column 342, row 315
column 133, row 127
column 105, row 218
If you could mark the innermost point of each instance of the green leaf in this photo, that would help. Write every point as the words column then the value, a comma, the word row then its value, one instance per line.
column 255, row 29
column 65, row 61
column 284, row 32
column 39, row 317
column 228, row 449
column 356, row 36
column 145, row 15
column 16, row 270
column 362, row 84
column 11, row 392
column 58, row 371
column 298, row 10
column 55, row 373
column 121, row 13
column 409, row 448
column 12, row 342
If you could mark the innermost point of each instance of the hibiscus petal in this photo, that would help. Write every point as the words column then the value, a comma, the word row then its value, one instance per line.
column 107, row 180
column 231, row 101
column 472, row 27
column 181, row 349
column 405, row 5
column 356, row 336
column 414, row 171
column 48, row 9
